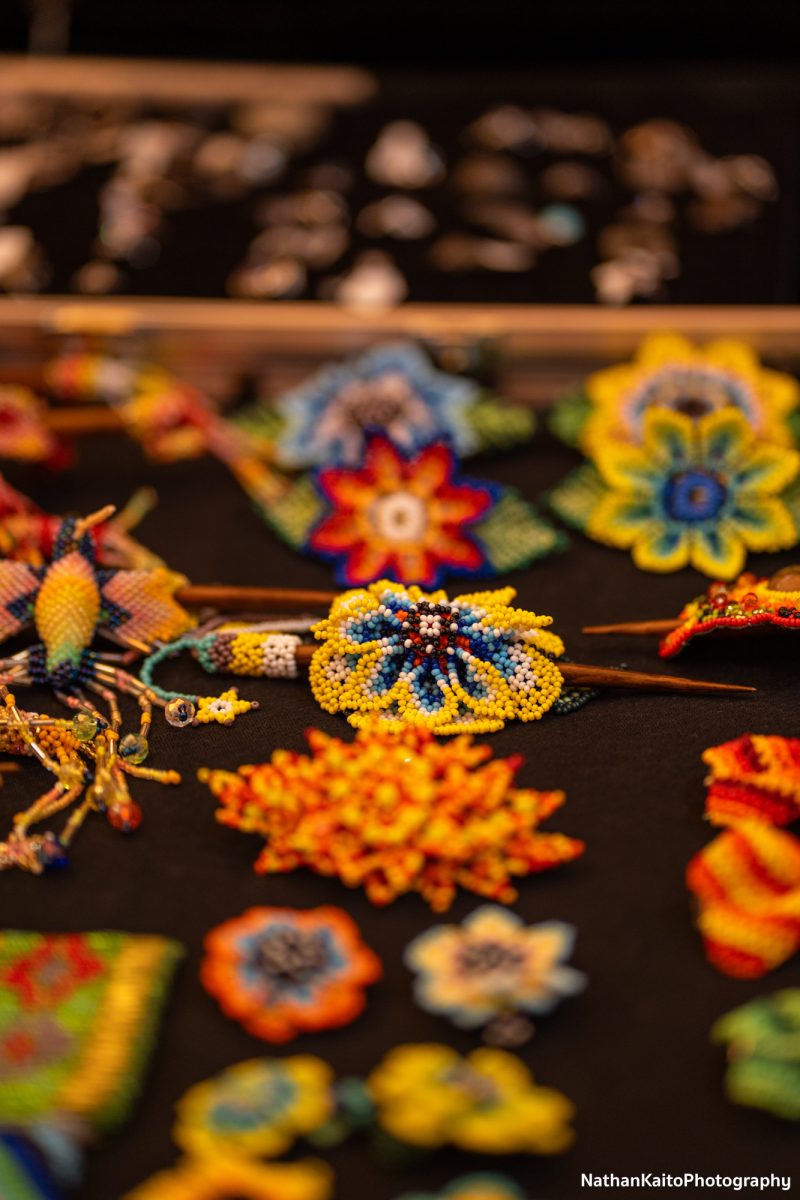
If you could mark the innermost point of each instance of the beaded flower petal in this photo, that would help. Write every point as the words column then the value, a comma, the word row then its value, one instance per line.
column 394, row 813
column 257, row 1108
column 428, row 1095
column 763, row 1041
column 393, row 389
column 24, row 1171
column 283, row 972
column 78, row 1014
column 220, row 1178
column 483, row 1186
column 492, row 967
column 700, row 493
column 754, row 777
column 668, row 371
column 747, row 603
column 747, row 886
column 410, row 657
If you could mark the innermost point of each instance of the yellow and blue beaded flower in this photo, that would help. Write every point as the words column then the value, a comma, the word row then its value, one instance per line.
column 700, row 493
column 412, row 657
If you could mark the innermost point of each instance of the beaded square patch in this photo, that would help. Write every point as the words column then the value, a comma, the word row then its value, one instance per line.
column 78, row 1018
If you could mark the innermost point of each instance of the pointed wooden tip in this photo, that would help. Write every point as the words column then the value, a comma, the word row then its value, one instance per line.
column 254, row 599
column 637, row 628
column 588, row 675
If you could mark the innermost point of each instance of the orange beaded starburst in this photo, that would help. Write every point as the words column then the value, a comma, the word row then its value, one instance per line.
column 394, row 813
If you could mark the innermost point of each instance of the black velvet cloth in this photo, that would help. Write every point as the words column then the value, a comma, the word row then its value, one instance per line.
column 632, row 1051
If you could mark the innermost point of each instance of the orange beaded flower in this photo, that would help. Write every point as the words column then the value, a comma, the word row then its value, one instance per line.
column 283, row 972
column 756, row 776
column 395, row 812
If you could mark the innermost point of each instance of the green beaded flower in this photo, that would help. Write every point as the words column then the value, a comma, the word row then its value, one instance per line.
column 763, row 1040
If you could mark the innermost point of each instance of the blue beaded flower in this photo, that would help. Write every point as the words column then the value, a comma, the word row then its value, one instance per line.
column 412, row 657
column 393, row 389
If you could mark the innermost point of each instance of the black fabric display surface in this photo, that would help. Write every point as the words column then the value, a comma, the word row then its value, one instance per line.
column 632, row 1052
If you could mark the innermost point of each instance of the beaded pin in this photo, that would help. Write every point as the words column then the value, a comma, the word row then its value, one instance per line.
column 746, row 604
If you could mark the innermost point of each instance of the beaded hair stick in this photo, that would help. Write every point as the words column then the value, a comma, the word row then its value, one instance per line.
column 410, row 657
column 747, row 604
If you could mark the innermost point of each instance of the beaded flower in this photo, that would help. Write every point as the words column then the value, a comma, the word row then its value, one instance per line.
column 754, row 777
column 411, row 657
column 393, row 389
column 257, row 1108
column 220, row 1178
column 491, row 969
column 78, row 1017
column 483, row 1186
column 763, row 1041
column 746, row 883
column 394, row 813
column 668, row 371
column 283, row 972
column 699, row 493
column 747, row 603
column 397, row 518
column 428, row 1095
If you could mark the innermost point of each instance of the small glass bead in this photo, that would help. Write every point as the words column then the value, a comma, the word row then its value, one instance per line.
column 179, row 712
column 70, row 775
column 134, row 748
column 125, row 817
column 84, row 726
column 52, row 855
column 749, row 601
column 719, row 600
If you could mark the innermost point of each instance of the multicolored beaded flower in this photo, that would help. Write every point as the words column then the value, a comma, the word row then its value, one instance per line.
column 414, row 520
column 257, row 1108
column 283, row 972
column 747, row 603
column 392, row 389
column 428, row 1095
column 409, row 516
column 78, row 1016
column 747, row 887
column 492, row 969
column 668, row 371
column 411, row 657
column 754, row 777
column 394, row 813
column 485, row 1186
column 763, row 1040
column 221, row 1178
column 699, row 493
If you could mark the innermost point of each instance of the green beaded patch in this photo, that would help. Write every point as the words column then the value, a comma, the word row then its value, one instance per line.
column 763, row 1040
column 575, row 498
column 514, row 535
column 500, row 425
column 567, row 419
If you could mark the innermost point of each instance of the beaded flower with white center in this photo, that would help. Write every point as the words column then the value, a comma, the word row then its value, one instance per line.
column 411, row 657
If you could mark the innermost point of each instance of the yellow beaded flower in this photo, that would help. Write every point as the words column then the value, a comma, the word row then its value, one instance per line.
column 416, row 658
column 700, row 493
column 668, row 371
column 221, row 1178
column 428, row 1095
column 256, row 1108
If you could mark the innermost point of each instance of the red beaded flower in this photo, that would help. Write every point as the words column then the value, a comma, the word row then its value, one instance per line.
column 282, row 972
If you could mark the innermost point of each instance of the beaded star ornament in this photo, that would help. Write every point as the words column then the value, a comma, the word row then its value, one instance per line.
column 78, row 1019
column 283, row 972
column 763, row 1053
column 395, row 812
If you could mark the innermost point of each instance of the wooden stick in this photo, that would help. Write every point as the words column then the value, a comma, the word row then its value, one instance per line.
column 637, row 628
column 586, row 675
column 254, row 599
column 83, row 420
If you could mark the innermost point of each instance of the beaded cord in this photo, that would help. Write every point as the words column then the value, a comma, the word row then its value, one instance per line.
column 394, row 812
column 411, row 657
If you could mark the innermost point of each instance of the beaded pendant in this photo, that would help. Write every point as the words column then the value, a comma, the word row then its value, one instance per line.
column 394, row 813
column 283, row 972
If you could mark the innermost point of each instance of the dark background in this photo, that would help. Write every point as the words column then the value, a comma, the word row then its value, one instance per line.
column 633, row 1051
